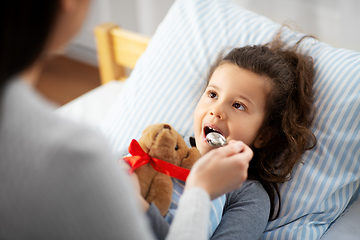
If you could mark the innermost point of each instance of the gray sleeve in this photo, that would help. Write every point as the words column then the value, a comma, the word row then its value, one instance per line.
column 158, row 223
column 246, row 213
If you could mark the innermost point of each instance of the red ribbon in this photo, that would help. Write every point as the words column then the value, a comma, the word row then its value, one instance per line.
column 140, row 158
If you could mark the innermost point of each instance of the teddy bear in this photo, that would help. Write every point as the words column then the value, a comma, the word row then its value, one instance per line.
column 164, row 144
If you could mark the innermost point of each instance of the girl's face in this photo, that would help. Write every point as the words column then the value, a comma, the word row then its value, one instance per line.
column 232, row 104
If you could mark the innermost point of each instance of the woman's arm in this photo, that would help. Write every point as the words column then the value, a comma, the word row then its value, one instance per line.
column 192, row 216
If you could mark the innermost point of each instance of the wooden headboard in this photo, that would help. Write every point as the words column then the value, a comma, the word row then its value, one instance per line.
column 117, row 50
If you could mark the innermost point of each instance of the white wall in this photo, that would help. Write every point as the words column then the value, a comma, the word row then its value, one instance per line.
column 122, row 12
column 332, row 21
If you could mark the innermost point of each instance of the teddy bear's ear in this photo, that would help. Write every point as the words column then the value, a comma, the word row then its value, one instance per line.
column 146, row 138
column 147, row 128
column 191, row 158
column 150, row 134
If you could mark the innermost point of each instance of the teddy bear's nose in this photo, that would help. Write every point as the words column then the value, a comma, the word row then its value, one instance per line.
column 167, row 126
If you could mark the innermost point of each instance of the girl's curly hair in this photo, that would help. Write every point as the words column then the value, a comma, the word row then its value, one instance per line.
column 289, row 110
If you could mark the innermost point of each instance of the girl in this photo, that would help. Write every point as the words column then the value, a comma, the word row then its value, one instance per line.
column 59, row 180
column 261, row 95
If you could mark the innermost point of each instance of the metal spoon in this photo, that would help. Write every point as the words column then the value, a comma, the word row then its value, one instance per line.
column 215, row 139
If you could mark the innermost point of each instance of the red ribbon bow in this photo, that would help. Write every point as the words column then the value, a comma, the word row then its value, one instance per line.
column 140, row 158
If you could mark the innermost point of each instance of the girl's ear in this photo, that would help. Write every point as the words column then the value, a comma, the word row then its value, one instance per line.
column 262, row 139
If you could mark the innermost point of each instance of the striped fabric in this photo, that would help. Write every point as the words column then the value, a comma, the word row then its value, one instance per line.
column 169, row 78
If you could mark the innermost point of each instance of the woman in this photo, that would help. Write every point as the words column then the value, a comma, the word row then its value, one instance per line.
column 59, row 180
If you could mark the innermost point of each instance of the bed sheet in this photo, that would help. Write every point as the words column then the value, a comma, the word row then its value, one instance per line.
column 347, row 226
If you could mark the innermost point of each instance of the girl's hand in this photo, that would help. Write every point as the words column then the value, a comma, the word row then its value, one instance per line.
column 221, row 170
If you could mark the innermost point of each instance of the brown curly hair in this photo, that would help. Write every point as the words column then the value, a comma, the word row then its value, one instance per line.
column 289, row 110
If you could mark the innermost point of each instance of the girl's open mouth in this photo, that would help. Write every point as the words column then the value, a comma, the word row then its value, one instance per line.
column 208, row 129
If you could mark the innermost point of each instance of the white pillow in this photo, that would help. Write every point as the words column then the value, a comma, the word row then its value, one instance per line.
column 169, row 78
column 347, row 226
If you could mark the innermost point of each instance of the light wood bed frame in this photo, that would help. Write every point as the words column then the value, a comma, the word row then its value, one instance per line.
column 117, row 50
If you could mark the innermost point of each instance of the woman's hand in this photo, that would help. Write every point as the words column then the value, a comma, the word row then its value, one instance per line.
column 135, row 180
column 221, row 170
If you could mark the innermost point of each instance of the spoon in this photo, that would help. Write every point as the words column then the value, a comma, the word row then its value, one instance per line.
column 215, row 139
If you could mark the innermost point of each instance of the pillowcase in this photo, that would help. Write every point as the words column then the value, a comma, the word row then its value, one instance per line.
column 170, row 76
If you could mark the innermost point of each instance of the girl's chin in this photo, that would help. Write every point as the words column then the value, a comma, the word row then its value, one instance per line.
column 202, row 145
column 204, row 148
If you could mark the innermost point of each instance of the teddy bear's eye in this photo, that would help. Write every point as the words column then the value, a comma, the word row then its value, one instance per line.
column 176, row 147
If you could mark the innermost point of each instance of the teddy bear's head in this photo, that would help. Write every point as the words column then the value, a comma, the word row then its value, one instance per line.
column 162, row 141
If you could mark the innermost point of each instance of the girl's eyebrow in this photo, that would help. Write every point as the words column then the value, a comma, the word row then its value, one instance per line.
column 240, row 96
column 247, row 99
column 212, row 85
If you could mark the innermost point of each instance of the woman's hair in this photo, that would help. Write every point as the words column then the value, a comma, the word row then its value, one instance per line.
column 25, row 26
column 289, row 109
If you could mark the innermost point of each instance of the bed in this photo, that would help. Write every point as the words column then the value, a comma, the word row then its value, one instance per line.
column 322, row 199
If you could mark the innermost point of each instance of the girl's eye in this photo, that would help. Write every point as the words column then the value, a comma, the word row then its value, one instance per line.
column 239, row 106
column 212, row 94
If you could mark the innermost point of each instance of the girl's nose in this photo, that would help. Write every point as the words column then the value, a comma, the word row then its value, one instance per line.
column 218, row 112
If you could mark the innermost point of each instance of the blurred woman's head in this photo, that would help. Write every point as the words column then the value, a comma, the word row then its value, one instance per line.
column 30, row 29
